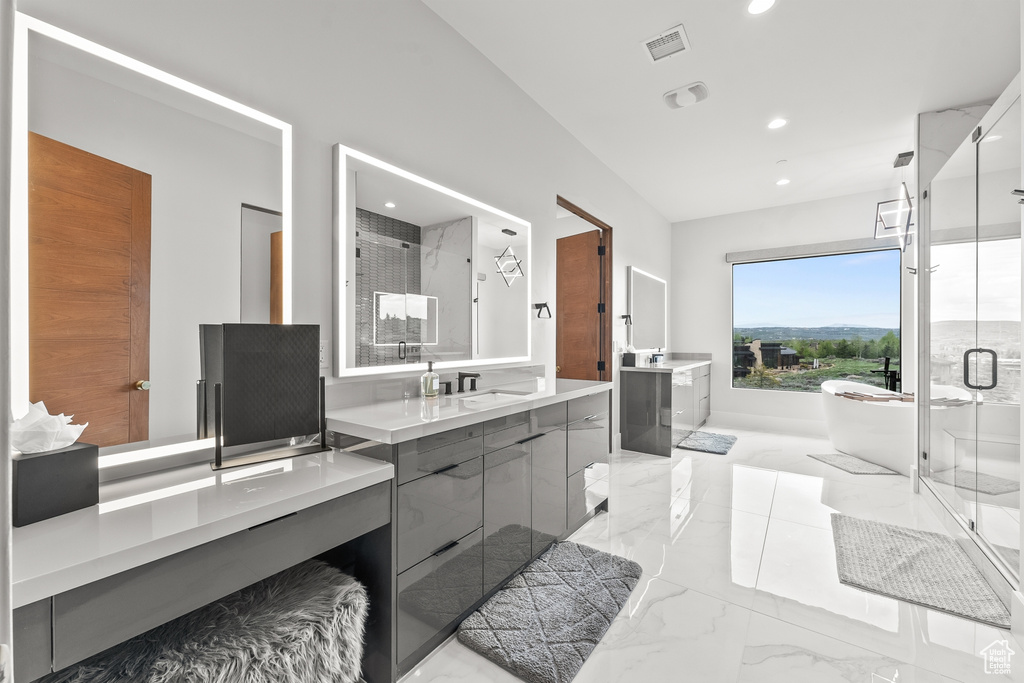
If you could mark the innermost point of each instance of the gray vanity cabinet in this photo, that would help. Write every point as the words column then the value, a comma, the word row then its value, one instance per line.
column 659, row 406
column 519, row 450
column 587, row 449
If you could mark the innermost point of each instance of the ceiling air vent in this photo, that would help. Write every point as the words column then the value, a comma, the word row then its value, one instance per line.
column 667, row 43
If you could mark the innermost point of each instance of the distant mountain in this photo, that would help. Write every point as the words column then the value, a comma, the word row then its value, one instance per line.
column 831, row 332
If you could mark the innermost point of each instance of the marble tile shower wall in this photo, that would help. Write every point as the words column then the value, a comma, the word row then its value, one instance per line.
column 364, row 391
column 382, row 267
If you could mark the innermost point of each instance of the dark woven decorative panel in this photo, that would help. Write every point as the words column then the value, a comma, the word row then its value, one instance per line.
column 270, row 376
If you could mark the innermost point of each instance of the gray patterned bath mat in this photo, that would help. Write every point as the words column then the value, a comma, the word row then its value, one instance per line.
column 921, row 567
column 545, row 622
column 851, row 464
column 964, row 478
column 707, row 442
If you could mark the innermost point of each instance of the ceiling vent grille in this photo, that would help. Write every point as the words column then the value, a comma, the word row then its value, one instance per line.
column 667, row 43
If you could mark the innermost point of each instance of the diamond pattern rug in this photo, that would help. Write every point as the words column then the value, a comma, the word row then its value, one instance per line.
column 921, row 567
column 545, row 622
column 851, row 464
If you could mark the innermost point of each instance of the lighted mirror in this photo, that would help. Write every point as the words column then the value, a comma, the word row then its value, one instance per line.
column 424, row 273
column 647, row 307
column 129, row 206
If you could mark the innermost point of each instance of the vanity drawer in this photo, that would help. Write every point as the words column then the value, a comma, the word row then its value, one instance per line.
column 422, row 457
column 586, row 406
column 437, row 509
column 587, row 441
column 704, row 386
column 505, row 431
column 91, row 618
column 584, row 493
column 432, row 594
column 549, row 418
column 702, row 371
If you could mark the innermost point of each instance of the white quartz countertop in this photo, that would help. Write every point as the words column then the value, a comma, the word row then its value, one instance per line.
column 397, row 421
column 146, row 518
column 667, row 366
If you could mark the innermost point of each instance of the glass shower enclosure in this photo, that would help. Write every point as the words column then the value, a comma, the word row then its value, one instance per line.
column 970, row 386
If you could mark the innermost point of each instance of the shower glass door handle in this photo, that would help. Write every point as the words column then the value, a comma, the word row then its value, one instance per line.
column 967, row 369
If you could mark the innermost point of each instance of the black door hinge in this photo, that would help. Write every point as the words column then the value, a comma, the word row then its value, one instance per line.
column 357, row 252
column 600, row 250
column 600, row 308
column 924, row 455
column 600, row 366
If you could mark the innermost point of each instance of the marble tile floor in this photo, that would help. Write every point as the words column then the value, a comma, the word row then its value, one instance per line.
column 740, row 580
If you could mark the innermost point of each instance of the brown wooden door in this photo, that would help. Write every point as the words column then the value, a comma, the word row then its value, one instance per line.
column 578, row 322
column 89, row 253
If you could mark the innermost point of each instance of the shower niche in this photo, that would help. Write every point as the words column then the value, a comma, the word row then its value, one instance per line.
column 970, row 265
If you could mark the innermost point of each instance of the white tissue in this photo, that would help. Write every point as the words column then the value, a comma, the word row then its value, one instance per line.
column 39, row 431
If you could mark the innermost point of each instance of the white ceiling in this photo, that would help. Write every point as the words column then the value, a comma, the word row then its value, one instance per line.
column 849, row 76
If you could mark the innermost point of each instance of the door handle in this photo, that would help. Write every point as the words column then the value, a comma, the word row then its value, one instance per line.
column 402, row 346
column 143, row 385
column 995, row 369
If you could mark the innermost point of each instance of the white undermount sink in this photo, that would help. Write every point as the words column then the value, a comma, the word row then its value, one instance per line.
column 492, row 397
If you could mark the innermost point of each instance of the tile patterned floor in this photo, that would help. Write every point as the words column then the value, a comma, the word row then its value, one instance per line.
column 740, row 580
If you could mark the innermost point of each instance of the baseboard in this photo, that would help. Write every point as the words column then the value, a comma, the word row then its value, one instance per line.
column 762, row 423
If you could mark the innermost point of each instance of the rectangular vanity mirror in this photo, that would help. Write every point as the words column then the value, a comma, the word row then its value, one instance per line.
column 130, row 194
column 647, row 306
column 423, row 273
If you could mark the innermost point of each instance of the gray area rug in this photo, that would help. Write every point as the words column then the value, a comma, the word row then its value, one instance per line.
column 964, row 478
column 707, row 442
column 851, row 464
column 545, row 622
column 921, row 567
column 303, row 624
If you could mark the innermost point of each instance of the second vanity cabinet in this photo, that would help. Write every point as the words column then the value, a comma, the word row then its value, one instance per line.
column 476, row 504
column 659, row 405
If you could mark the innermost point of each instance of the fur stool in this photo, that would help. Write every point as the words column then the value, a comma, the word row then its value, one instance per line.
column 302, row 625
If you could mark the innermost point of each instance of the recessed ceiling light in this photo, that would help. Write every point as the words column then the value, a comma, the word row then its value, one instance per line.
column 760, row 6
column 782, row 181
column 777, row 123
column 389, row 205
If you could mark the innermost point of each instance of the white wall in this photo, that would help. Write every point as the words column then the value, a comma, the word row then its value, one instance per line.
column 202, row 174
column 393, row 80
column 700, row 298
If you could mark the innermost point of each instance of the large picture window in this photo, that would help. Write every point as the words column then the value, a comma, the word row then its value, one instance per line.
column 799, row 322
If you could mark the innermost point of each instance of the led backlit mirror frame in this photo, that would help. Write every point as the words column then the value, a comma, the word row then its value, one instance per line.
column 19, row 370
column 344, row 266
column 642, row 288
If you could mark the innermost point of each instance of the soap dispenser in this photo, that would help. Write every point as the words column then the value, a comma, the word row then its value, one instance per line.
column 429, row 383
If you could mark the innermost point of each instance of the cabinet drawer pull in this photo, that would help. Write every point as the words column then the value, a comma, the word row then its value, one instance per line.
column 445, row 469
column 590, row 465
column 590, row 418
column 445, row 548
column 271, row 521
column 529, row 438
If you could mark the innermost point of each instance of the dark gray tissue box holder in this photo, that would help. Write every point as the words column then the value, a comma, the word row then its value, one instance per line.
column 53, row 483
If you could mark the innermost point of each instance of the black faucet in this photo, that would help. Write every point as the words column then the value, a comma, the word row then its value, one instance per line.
column 471, row 376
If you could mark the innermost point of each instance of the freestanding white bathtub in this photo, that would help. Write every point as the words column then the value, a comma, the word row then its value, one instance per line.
column 882, row 432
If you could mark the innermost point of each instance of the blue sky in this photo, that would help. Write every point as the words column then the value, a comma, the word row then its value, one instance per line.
column 849, row 289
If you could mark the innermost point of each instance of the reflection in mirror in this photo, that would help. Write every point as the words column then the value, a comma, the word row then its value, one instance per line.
column 262, row 295
column 647, row 302
column 127, row 214
column 424, row 273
